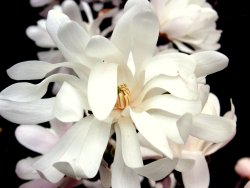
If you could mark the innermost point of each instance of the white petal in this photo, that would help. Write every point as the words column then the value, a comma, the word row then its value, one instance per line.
column 145, row 124
column 209, row 62
column 103, row 49
column 169, row 64
column 247, row 185
column 168, row 124
column 242, row 167
column 52, row 56
column 121, row 38
column 71, row 9
column 36, row 138
column 212, row 128
column 39, row 3
column 198, row 176
column 158, row 169
column 102, row 89
column 34, row 112
column 74, row 39
column 24, row 169
column 40, row 37
column 56, row 20
column 31, row 70
column 70, row 104
column 122, row 176
column 68, row 148
column 130, row 145
column 105, row 176
column 25, row 92
column 174, row 85
column 143, row 43
column 87, row 162
column 171, row 104
column 212, row 105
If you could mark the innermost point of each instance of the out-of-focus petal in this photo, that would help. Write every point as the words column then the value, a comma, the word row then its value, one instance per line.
column 24, row 169
column 242, row 167
column 36, row 138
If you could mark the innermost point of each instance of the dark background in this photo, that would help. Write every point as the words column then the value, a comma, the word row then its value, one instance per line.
column 233, row 82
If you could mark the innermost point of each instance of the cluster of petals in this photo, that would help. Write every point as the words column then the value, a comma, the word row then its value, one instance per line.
column 146, row 98
column 190, row 25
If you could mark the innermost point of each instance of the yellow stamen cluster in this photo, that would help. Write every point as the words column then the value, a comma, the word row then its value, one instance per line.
column 123, row 97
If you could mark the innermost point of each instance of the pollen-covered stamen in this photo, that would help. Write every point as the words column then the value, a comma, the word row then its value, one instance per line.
column 123, row 97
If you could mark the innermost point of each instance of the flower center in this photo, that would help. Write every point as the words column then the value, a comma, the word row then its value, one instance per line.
column 123, row 97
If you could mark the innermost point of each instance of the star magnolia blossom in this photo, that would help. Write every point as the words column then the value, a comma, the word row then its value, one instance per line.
column 188, row 22
column 127, row 87
column 242, row 167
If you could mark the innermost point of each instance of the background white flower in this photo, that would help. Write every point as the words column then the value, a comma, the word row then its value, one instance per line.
column 190, row 25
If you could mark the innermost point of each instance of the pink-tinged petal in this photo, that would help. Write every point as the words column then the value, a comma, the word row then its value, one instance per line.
column 24, row 169
column 40, row 36
column 144, row 122
column 34, row 112
column 171, row 104
column 59, row 127
column 36, row 138
column 70, row 104
column 74, row 40
column 247, row 185
column 25, row 92
column 209, row 62
column 88, row 160
column 122, row 175
column 102, row 89
column 198, row 176
column 71, row 9
column 130, row 145
column 92, row 184
column 39, row 183
column 242, row 167
column 103, row 49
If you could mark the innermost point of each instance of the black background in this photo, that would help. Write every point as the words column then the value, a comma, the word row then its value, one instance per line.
column 232, row 82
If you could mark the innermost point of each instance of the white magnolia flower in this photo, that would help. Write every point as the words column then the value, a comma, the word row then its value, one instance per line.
column 127, row 87
column 188, row 22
